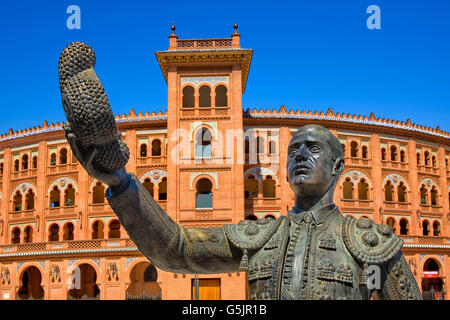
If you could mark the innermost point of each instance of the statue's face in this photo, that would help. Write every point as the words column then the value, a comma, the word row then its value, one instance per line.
column 310, row 163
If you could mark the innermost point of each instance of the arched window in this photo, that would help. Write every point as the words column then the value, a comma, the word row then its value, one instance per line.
column 272, row 147
column 343, row 148
column 363, row 189
column 29, row 200
column 418, row 158
column 221, row 96
column 436, row 229
column 423, row 194
column 391, row 223
column 98, row 193
column 433, row 194
column 114, row 229
column 364, row 152
column 251, row 187
column 251, row 217
column 53, row 232
column 188, row 97
column 269, row 187
column 69, row 196
column 402, row 156
column 97, row 230
column 1, row 168
column 55, row 197
column 17, row 201
column 260, row 145
column 433, row 161
column 354, row 149
column 393, row 153
column 404, row 227
column 401, row 191
column 247, row 145
column 68, row 231
column 53, row 159
column 15, row 236
column 28, row 235
column 205, row 97
column 16, row 165
column 34, row 163
column 162, row 192
column 203, row 194
column 25, row 162
column 425, row 228
column 388, row 191
column 348, row 189
column 269, row 216
column 148, row 185
column 150, row 274
column 383, row 154
column 143, row 150
column 203, row 146
column 426, row 158
column 63, row 156
column 156, row 148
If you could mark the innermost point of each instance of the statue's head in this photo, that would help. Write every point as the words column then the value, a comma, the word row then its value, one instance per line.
column 315, row 161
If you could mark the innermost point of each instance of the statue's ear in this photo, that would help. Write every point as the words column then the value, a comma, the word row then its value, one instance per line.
column 339, row 165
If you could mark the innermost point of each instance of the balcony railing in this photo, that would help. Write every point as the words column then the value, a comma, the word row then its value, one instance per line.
column 58, row 211
column 15, row 215
column 394, row 164
column 427, row 169
column 23, row 173
column 357, row 203
column 152, row 160
column 61, row 168
column 262, row 202
column 186, row 44
column 397, row 205
column 358, row 161
column 205, row 112
column 428, row 208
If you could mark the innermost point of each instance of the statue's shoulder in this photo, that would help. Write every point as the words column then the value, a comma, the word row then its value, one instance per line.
column 369, row 242
column 252, row 234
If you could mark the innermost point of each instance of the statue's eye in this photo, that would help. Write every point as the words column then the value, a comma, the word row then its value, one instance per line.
column 314, row 148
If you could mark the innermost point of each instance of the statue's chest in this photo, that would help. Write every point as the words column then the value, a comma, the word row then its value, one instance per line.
column 317, row 265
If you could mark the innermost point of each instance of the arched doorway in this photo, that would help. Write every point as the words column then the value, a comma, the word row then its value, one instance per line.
column 31, row 288
column 143, row 283
column 87, row 288
column 432, row 282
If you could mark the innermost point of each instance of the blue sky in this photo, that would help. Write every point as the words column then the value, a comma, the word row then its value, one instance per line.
column 307, row 54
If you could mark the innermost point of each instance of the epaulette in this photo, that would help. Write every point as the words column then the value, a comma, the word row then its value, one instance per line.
column 369, row 242
column 251, row 235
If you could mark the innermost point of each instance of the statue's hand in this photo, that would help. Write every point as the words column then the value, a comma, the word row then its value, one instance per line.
column 114, row 179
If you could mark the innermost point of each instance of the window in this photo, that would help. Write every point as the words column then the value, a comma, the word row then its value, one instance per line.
column 15, row 236
column 363, row 189
column 98, row 193
column 143, row 150
column 364, row 152
column 55, row 196
column 205, row 97
column 425, row 228
column 401, row 191
column 383, row 154
column 29, row 200
column 354, row 149
column 17, row 201
column 402, row 156
column 69, row 196
column 251, row 187
column 1, row 168
column 272, row 147
column 16, row 165
column 343, row 148
column 251, row 217
column 221, row 96
column 260, row 145
column 433, row 161
column 433, row 195
column 148, row 185
column 53, row 232
column 203, row 194
column 68, row 231
column 162, row 192
column 53, row 159
column 393, row 153
column 203, row 146
column 28, row 235
column 156, row 148
column 25, row 162
column 436, row 229
column 63, row 156
column 427, row 158
column 348, row 189
column 34, row 163
column 97, row 230
column 404, row 227
column 391, row 223
column 388, row 191
column 114, row 229
column 269, row 187
column 418, row 159
column 247, row 146
column 423, row 195
column 188, row 97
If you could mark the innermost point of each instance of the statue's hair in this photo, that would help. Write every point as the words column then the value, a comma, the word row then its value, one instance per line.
column 332, row 141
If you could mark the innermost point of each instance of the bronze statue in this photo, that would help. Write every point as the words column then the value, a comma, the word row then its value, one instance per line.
column 313, row 253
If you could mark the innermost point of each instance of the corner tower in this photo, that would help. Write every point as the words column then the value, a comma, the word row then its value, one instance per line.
column 206, row 79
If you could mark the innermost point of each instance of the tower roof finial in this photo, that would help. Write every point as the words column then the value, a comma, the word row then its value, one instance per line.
column 173, row 28
column 235, row 26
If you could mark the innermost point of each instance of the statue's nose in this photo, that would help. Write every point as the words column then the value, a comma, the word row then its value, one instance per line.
column 300, row 155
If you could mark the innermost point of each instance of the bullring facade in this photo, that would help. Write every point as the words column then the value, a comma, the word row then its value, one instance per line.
column 55, row 224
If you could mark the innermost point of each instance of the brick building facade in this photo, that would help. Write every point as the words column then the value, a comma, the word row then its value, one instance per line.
column 207, row 162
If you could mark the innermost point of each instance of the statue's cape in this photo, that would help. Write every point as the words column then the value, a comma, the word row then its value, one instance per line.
column 252, row 235
column 369, row 242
